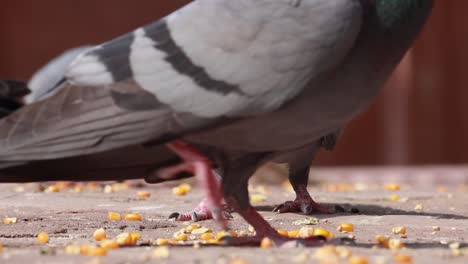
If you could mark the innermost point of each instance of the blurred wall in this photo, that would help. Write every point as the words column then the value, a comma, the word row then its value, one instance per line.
column 419, row 118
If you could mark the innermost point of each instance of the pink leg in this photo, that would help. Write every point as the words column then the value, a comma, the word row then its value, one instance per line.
column 264, row 229
column 201, row 167
column 302, row 204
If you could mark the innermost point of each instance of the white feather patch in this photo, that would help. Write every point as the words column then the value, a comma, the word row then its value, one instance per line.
column 86, row 69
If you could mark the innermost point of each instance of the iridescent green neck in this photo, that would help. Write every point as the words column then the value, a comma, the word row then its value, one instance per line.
column 393, row 15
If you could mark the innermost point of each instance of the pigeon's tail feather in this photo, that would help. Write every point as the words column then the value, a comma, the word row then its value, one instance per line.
column 134, row 162
column 11, row 94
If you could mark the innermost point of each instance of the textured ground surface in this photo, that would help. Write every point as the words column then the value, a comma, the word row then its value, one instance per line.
column 71, row 217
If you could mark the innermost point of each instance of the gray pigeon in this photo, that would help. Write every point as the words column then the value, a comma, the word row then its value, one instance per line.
column 225, row 85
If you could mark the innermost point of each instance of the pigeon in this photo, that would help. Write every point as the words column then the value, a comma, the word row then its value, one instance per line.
column 216, row 89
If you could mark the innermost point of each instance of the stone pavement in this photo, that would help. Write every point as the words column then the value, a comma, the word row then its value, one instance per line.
column 439, row 194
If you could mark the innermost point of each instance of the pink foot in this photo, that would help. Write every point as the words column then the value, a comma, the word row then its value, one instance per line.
column 201, row 167
column 302, row 204
column 200, row 213
column 263, row 229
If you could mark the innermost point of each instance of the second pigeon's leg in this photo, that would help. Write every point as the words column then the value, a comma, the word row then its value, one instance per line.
column 299, row 164
column 303, row 202
column 201, row 167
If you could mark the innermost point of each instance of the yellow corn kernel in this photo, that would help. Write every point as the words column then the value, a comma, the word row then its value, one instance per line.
column 84, row 249
column 43, row 238
column 282, row 232
column 186, row 187
column 108, row 189
column 395, row 243
column 358, row 260
column 436, row 228
column 133, row 217
column 207, row 236
column 135, row 237
column 382, row 240
column 192, row 227
column 93, row 251
column 114, row 216
column 402, row 258
column 179, row 191
column 399, row 230
column 293, row 233
column 126, row 239
column 392, row 187
column 161, row 253
column 180, row 237
column 419, row 208
column 143, row 195
column 214, row 242
column 306, row 232
column 52, row 188
column 123, row 239
column 99, row 234
column 10, row 220
column 109, row 244
column 78, row 189
column 394, row 198
column 201, row 230
column 345, row 228
column 267, row 243
column 323, row 232
column 72, row 250
column 162, row 241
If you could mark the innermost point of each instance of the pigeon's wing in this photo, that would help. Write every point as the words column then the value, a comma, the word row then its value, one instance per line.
column 210, row 60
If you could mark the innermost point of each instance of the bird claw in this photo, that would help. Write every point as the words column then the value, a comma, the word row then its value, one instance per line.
column 203, row 212
column 306, row 206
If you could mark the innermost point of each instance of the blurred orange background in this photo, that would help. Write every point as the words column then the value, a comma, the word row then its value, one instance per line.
column 419, row 118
